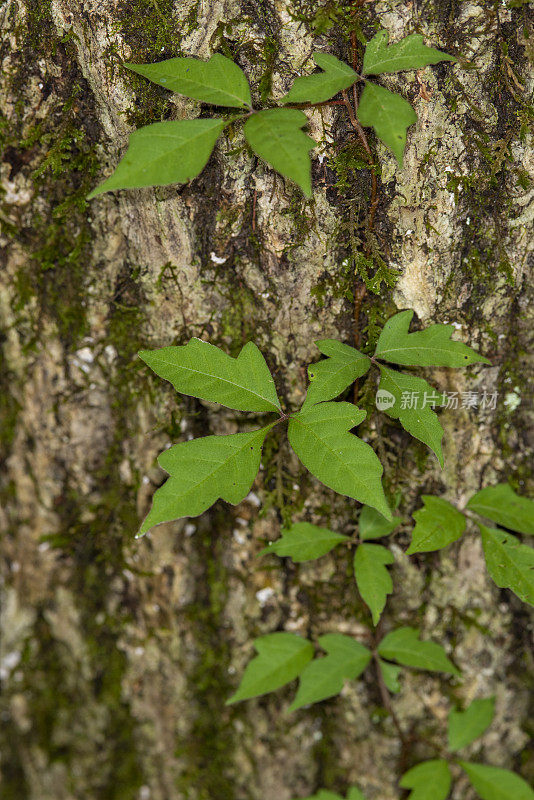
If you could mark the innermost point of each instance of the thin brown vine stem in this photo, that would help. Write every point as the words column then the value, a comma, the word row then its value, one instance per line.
column 386, row 701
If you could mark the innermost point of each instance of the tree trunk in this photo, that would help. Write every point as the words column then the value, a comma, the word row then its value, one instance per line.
column 118, row 654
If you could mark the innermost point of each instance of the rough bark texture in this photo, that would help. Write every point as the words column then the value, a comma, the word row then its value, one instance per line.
column 117, row 654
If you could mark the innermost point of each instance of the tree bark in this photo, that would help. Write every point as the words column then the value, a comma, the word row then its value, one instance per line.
column 118, row 654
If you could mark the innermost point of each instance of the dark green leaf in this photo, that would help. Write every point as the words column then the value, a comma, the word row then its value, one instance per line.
column 320, row 437
column 164, row 153
column 305, row 542
column 276, row 136
column 410, row 399
column 501, row 504
column 323, row 85
column 494, row 783
column 332, row 376
column 372, row 578
column 430, row 780
column 466, row 726
column 430, row 347
column 202, row 370
column 437, row 525
column 281, row 658
column 218, row 81
column 204, row 470
column 389, row 114
column 510, row 563
column 372, row 525
column 404, row 646
column 324, row 677
column 409, row 53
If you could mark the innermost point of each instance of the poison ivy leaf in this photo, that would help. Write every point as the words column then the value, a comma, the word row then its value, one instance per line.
column 501, row 504
column 324, row 677
column 332, row 376
column 494, row 783
column 276, row 136
column 430, row 780
column 281, row 658
column 164, row 153
column 320, row 437
column 372, row 525
column 389, row 114
column 411, row 400
column 390, row 673
column 466, row 726
column 430, row 347
column 305, row 542
column 372, row 578
column 204, row 470
column 510, row 563
column 409, row 53
column 323, row 85
column 404, row 646
column 437, row 525
column 202, row 370
column 218, row 81
column 355, row 794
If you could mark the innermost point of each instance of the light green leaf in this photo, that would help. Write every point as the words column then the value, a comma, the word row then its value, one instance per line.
column 430, row 347
column 204, row 470
column 501, row 504
column 332, row 376
column 276, row 136
column 324, row 794
column 409, row 53
column 404, row 646
column 202, row 370
column 355, row 794
column 466, row 726
column 305, row 542
column 320, row 437
column 390, row 673
column 494, row 783
column 411, row 403
column 323, row 85
column 164, row 153
column 510, row 563
column 325, row 677
column 430, row 780
column 372, row 525
column 218, row 81
column 372, row 578
column 281, row 658
column 437, row 525
column 389, row 114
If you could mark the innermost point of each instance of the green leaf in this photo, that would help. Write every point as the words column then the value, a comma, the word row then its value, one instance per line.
column 409, row 53
column 389, row 114
column 501, row 504
column 323, row 794
column 325, row 677
column 510, row 563
column 276, row 136
column 332, row 376
column 218, row 81
column 204, row 470
column 372, row 525
column 164, row 153
column 466, row 726
column 372, row 578
column 437, row 525
column 494, row 783
column 390, row 674
column 320, row 437
column 430, row 347
column 404, row 646
column 411, row 401
column 281, row 658
column 323, row 85
column 430, row 780
column 355, row 794
column 305, row 542
column 202, row 370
